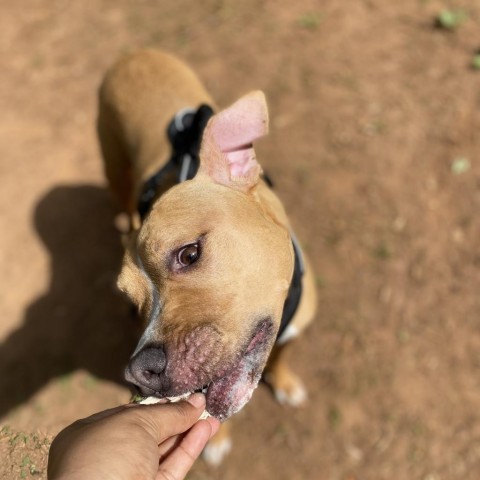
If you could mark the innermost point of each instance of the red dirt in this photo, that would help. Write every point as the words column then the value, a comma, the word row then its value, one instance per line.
column 370, row 107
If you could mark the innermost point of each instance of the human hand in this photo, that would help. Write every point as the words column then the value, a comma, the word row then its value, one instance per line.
column 146, row 442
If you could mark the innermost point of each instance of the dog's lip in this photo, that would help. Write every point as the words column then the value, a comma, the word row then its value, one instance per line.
column 228, row 394
column 144, row 391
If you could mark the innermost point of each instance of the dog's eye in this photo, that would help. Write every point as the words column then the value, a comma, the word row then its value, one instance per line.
column 188, row 255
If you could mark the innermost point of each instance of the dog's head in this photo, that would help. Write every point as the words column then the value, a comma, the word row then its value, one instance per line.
column 209, row 271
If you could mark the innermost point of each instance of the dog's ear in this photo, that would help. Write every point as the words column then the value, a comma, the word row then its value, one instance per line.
column 227, row 155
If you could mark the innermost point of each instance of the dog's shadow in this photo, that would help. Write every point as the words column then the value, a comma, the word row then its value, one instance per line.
column 82, row 321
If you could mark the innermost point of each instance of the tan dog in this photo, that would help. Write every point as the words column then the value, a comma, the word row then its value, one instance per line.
column 210, row 266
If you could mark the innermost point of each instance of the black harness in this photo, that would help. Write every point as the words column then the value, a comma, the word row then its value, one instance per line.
column 295, row 291
column 185, row 134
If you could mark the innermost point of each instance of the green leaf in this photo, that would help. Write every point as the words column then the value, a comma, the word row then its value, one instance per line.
column 451, row 19
column 476, row 61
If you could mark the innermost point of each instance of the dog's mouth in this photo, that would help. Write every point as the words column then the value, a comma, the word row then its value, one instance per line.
column 229, row 393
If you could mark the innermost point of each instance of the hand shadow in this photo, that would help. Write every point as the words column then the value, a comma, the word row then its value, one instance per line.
column 83, row 321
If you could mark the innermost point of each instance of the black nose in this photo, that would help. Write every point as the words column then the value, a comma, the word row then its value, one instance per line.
column 147, row 368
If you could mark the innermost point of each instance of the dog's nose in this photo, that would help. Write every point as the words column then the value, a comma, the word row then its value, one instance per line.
column 147, row 367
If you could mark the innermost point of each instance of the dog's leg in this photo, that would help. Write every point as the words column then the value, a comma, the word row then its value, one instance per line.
column 219, row 446
column 287, row 387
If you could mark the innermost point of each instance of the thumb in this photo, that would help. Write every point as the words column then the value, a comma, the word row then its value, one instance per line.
column 163, row 421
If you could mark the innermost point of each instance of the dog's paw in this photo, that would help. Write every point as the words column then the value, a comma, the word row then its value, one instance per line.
column 294, row 395
column 216, row 450
column 288, row 388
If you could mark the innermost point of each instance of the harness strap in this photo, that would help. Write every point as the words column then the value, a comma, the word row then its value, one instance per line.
column 295, row 291
column 185, row 134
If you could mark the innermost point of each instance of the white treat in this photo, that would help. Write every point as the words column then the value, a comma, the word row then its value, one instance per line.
column 153, row 400
column 204, row 415
column 149, row 401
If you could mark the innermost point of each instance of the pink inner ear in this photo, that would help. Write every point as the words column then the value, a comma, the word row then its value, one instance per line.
column 237, row 127
column 227, row 153
column 241, row 160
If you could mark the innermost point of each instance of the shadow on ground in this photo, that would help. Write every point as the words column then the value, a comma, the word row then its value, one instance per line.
column 82, row 321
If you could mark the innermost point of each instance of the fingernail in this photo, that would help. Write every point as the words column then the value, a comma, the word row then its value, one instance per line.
column 197, row 400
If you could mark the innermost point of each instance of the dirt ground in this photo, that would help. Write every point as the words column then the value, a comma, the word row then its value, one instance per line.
column 375, row 151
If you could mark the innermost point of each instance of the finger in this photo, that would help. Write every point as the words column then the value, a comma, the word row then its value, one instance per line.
column 166, row 420
column 166, row 447
column 214, row 425
column 181, row 459
column 105, row 413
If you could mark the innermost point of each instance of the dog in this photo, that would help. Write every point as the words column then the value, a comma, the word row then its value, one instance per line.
column 210, row 261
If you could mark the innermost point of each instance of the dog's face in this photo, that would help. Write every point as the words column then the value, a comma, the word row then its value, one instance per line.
column 209, row 271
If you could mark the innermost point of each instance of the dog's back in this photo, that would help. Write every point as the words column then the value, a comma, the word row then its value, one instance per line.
column 139, row 96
